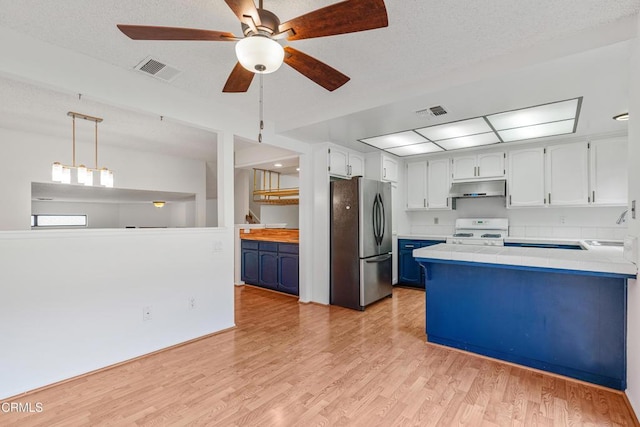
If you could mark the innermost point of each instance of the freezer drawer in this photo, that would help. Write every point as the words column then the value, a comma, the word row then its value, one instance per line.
column 375, row 279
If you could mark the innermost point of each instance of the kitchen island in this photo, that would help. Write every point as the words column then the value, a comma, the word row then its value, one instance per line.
column 563, row 311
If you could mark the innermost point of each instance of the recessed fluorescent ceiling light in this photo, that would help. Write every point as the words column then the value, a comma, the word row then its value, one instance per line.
column 547, row 113
column 409, row 150
column 455, row 129
column 395, row 139
column 537, row 131
column 469, row 141
column 556, row 118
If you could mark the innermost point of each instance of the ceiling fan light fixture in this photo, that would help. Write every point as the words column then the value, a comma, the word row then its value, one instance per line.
column 260, row 54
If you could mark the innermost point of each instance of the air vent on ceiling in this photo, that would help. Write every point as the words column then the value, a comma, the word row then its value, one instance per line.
column 157, row 69
column 436, row 111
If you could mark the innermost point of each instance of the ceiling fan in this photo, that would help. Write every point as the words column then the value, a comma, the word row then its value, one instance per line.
column 258, row 51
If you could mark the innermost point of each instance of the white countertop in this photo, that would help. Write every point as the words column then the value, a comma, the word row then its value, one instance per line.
column 597, row 259
column 424, row 236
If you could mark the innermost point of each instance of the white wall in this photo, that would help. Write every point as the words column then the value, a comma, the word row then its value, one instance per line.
column 212, row 213
column 633, row 302
column 32, row 154
column 72, row 300
column 272, row 214
column 241, row 195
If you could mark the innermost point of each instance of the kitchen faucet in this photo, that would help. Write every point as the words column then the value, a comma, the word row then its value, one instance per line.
column 622, row 217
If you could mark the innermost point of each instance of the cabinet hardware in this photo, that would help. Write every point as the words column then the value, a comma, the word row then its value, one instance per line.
column 409, row 246
column 593, row 199
column 588, row 199
column 447, row 202
column 509, row 199
column 478, row 170
column 384, row 172
column 549, row 198
column 424, row 202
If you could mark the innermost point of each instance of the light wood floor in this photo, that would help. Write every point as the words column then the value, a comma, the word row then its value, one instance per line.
column 294, row 364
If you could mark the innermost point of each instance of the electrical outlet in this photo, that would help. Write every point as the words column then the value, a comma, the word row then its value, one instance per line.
column 436, row 220
column 146, row 313
column 563, row 219
column 192, row 303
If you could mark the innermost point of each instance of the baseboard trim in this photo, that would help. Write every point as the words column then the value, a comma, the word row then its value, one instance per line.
column 115, row 365
column 630, row 408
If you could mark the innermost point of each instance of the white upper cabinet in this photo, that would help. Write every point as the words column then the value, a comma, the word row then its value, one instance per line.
column 487, row 165
column 345, row 163
column 525, row 186
column 608, row 166
column 464, row 167
column 567, row 174
column 416, row 185
column 389, row 169
column 438, row 184
column 356, row 164
column 382, row 167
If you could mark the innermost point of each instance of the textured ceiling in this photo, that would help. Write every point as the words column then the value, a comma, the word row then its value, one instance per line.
column 424, row 38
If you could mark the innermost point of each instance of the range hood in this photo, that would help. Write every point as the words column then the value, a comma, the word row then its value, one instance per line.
column 495, row 188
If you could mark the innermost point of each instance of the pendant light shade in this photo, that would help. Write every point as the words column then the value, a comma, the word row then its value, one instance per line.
column 260, row 54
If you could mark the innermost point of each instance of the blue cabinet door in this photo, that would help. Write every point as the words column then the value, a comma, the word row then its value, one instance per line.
column 269, row 270
column 410, row 273
column 289, row 278
column 249, row 272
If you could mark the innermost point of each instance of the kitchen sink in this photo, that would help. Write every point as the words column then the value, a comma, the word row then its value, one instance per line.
column 603, row 243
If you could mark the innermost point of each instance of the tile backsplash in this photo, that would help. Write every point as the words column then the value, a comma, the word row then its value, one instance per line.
column 549, row 222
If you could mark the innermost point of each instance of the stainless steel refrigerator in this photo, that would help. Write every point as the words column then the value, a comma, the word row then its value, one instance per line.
column 360, row 242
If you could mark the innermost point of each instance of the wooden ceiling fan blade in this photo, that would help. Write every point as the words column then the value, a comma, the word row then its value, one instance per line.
column 146, row 32
column 244, row 8
column 326, row 76
column 239, row 80
column 345, row 17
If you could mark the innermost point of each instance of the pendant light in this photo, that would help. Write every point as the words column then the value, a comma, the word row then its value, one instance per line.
column 84, row 175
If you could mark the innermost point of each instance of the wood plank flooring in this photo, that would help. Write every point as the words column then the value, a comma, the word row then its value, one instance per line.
column 291, row 364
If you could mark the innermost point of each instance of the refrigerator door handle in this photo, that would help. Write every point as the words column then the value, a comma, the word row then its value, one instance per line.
column 378, row 259
column 383, row 225
column 374, row 213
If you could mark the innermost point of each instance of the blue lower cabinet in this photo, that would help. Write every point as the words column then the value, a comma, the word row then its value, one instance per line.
column 250, row 270
column 410, row 272
column 271, row 265
column 288, row 266
column 269, row 270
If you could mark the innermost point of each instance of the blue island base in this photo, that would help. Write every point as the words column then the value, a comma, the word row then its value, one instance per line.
column 567, row 322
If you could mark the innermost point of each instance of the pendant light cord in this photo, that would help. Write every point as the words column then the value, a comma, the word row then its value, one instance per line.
column 261, row 111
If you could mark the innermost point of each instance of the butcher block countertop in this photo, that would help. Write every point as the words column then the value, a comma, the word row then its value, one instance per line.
column 281, row 235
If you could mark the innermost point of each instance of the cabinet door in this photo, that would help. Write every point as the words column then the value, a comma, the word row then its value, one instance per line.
column 608, row 160
column 490, row 165
column 567, row 174
column 464, row 167
column 408, row 269
column 389, row 169
column 338, row 161
column 416, row 185
column 249, row 271
column 356, row 165
column 526, row 177
column 289, row 278
column 438, row 184
column 269, row 269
